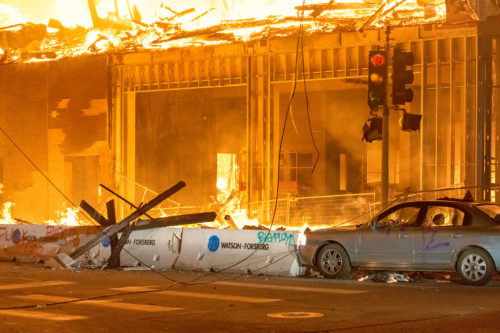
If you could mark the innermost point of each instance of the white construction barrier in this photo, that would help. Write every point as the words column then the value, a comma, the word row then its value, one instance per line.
column 158, row 247
column 247, row 251
column 31, row 243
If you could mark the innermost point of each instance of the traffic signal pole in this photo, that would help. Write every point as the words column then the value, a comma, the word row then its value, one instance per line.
column 385, row 157
column 385, row 137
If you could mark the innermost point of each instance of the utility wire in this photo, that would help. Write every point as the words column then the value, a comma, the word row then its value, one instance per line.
column 292, row 95
column 43, row 173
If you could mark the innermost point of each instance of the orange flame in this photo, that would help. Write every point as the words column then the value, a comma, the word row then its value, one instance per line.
column 67, row 217
column 154, row 25
column 6, row 214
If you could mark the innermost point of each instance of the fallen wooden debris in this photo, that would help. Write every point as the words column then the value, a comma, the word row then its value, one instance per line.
column 337, row 6
column 184, row 12
column 202, row 14
column 114, row 258
column 170, row 221
column 113, row 229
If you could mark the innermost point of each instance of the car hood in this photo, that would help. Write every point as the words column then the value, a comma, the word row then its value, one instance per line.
column 334, row 229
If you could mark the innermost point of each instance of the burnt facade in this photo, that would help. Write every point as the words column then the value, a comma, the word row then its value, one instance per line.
column 143, row 121
column 56, row 113
column 455, row 86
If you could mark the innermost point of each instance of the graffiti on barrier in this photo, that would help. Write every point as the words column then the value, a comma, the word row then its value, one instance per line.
column 15, row 236
column 276, row 237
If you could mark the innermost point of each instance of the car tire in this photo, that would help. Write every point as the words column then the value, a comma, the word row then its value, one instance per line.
column 333, row 262
column 475, row 267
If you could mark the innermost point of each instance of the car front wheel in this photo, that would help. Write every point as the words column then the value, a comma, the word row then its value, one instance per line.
column 333, row 262
column 475, row 267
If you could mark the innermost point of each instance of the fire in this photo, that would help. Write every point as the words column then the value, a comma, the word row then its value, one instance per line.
column 121, row 25
column 10, row 15
column 67, row 217
column 6, row 214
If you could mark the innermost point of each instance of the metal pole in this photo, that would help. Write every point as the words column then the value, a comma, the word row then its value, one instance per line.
column 385, row 157
column 385, row 138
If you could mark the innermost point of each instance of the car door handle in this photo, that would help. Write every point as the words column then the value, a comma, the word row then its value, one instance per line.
column 403, row 236
column 456, row 236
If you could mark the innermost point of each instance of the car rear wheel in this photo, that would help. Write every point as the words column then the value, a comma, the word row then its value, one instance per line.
column 475, row 267
column 333, row 262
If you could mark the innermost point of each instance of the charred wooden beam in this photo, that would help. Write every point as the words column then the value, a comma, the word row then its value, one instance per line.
column 171, row 221
column 168, row 8
column 230, row 221
column 140, row 23
column 221, row 36
column 122, row 198
column 202, row 14
column 114, row 258
column 319, row 8
column 372, row 18
column 94, row 213
column 93, row 13
column 193, row 33
column 110, row 208
column 21, row 38
column 137, row 17
column 113, row 229
column 226, row 25
column 165, row 25
column 117, row 13
column 56, row 24
column 184, row 12
column 13, row 26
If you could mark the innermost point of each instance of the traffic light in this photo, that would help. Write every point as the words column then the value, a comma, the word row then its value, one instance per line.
column 372, row 129
column 410, row 122
column 377, row 78
column 401, row 76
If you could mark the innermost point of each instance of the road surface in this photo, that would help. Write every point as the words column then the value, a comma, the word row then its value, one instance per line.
column 37, row 299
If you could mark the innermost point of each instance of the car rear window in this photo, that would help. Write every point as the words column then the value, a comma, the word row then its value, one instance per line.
column 490, row 210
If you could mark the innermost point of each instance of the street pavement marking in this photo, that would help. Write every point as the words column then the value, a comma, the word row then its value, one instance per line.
column 33, row 284
column 136, row 288
column 104, row 303
column 291, row 288
column 46, row 298
column 37, row 314
column 235, row 298
column 130, row 306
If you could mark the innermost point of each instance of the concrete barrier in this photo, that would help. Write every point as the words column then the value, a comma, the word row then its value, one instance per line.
column 247, row 251
column 31, row 243
column 158, row 247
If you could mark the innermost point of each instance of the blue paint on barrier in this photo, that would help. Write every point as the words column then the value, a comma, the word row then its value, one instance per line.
column 16, row 236
column 106, row 242
column 213, row 243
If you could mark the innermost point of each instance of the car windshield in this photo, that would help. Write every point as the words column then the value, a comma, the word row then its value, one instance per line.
column 490, row 210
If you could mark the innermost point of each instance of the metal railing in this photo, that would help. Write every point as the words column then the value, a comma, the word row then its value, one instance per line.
column 314, row 211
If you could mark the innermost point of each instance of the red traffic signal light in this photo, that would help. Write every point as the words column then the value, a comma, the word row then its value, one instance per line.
column 401, row 76
column 377, row 78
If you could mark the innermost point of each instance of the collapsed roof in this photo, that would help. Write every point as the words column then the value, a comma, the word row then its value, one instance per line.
column 29, row 42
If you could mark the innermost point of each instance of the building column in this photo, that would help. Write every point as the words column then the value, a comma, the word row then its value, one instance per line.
column 484, row 93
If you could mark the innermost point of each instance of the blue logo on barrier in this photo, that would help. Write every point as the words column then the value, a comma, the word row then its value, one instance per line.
column 16, row 236
column 106, row 242
column 213, row 243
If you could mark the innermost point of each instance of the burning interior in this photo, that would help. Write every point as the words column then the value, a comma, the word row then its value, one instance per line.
column 137, row 95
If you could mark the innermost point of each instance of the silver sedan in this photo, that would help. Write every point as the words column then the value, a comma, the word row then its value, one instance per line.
column 438, row 235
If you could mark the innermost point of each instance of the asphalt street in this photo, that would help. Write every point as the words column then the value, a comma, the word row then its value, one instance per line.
column 38, row 299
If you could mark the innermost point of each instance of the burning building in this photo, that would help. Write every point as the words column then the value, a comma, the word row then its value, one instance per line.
column 202, row 95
